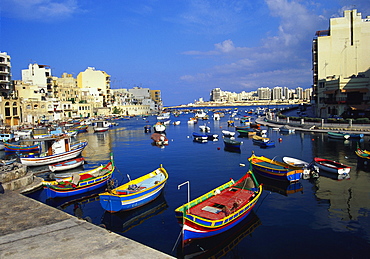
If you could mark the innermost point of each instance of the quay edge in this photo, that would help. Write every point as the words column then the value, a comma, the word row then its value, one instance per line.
column 31, row 229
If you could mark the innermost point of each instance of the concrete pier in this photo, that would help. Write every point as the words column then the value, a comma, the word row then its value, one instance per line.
column 31, row 229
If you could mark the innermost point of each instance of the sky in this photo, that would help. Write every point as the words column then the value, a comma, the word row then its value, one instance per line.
column 184, row 48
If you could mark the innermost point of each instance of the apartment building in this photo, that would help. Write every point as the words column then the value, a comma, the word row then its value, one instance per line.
column 341, row 67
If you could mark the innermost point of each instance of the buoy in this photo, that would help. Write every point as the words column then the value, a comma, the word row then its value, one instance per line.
column 313, row 139
column 241, row 164
column 218, row 148
column 280, row 139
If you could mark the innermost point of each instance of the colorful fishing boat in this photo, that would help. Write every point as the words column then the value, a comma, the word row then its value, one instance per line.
column 219, row 209
column 10, row 147
column 338, row 135
column 262, row 141
column 274, row 169
column 67, row 165
column 364, row 154
column 135, row 193
column 57, row 149
column 81, row 128
column 331, row 166
column 80, row 182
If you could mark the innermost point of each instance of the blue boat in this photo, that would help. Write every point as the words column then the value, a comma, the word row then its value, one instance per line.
column 274, row 169
column 199, row 136
column 80, row 182
column 135, row 193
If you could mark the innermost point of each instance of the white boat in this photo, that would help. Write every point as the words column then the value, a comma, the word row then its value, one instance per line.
column 101, row 126
column 204, row 128
column 176, row 123
column 57, row 149
column 228, row 134
column 163, row 116
column 159, row 127
column 67, row 165
column 295, row 162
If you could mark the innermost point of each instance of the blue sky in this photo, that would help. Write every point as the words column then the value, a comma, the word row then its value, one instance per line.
column 184, row 48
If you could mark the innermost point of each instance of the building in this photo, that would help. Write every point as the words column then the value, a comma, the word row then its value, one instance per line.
column 341, row 67
column 97, row 83
column 277, row 93
column 264, row 93
column 39, row 75
column 5, row 75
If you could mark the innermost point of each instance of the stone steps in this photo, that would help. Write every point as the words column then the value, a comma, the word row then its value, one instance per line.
column 15, row 177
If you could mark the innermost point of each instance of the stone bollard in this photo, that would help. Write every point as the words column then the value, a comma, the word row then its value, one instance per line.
column 302, row 121
column 350, row 123
column 322, row 123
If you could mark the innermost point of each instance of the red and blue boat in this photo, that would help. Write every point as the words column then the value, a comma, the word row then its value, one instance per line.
column 10, row 147
column 135, row 193
column 80, row 182
column 219, row 209
column 274, row 169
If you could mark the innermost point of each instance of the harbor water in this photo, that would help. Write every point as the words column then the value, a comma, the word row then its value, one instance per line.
column 327, row 217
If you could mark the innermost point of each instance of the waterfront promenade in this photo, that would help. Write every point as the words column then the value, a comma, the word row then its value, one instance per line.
column 31, row 229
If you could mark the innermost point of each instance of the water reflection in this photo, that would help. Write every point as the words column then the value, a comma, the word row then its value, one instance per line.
column 220, row 245
column 282, row 187
column 125, row 220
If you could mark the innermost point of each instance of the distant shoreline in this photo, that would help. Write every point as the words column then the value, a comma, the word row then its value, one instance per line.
column 215, row 104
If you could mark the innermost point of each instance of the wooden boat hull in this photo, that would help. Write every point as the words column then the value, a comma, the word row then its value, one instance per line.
column 67, row 165
column 230, row 143
column 198, row 136
column 66, row 188
column 331, row 166
column 274, row 169
column 195, row 226
column 123, row 198
column 21, row 148
column 101, row 129
column 46, row 160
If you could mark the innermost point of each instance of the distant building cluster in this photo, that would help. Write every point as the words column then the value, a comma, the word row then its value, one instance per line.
column 40, row 96
column 262, row 94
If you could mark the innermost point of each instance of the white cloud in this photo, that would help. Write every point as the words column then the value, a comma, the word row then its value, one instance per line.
column 46, row 10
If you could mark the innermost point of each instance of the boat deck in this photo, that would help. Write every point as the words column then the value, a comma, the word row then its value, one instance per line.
column 223, row 204
column 266, row 164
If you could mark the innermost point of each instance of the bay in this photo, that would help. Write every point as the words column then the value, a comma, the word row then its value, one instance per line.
column 324, row 217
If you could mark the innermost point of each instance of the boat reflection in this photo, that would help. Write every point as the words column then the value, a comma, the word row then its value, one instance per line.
column 220, row 245
column 281, row 187
column 81, row 199
column 337, row 177
column 125, row 220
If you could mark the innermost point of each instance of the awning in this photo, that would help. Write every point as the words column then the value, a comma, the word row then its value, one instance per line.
column 350, row 90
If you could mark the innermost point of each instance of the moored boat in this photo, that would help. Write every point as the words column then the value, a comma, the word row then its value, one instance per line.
column 80, row 182
column 135, row 193
column 331, row 166
column 274, row 169
column 101, row 126
column 159, row 139
column 232, row 143
column 10, row 147
column 219, row 209
column 338, row 135
column 57, row 149
column 67, row 165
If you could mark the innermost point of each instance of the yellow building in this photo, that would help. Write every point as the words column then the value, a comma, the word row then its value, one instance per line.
column 341, row 63
column 97, row 83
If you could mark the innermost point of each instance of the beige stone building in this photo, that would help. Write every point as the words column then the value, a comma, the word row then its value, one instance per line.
column 341, row 64
column 95, row 84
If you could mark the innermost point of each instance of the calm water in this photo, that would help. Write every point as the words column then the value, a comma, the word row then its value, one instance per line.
column 319, row 218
